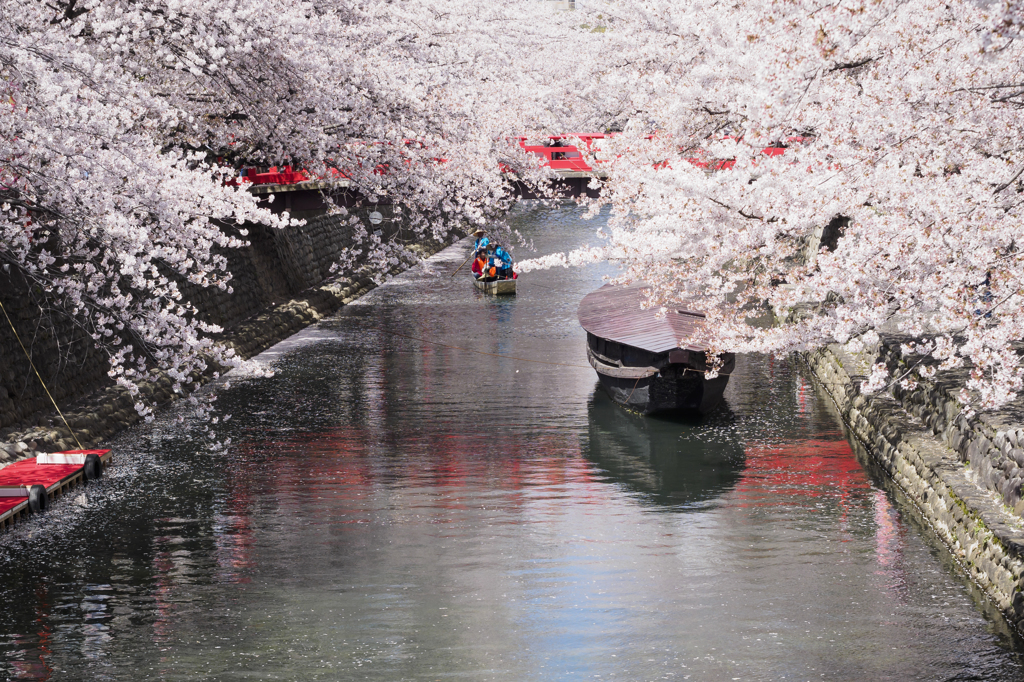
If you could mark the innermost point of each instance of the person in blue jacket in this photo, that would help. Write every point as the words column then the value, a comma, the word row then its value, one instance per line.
column 502, row 261
column 482, row 242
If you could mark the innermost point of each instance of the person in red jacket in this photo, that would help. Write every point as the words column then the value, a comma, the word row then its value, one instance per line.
column 479, row 267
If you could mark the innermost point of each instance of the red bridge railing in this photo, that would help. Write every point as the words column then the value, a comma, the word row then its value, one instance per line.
column 565, row 153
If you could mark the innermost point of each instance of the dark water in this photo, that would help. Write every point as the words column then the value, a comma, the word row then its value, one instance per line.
column 430, row 488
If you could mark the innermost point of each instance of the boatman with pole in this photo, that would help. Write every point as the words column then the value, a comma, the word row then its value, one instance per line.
column 480, row 245
column 481, row 241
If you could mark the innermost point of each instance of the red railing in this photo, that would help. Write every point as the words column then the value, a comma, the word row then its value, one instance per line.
column 283, row 175
column 558, row 154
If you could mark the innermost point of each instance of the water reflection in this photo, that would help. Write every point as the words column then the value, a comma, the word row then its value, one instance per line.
column 657, row 458
column 889, row 543
column 32, row 652
column 430, row 487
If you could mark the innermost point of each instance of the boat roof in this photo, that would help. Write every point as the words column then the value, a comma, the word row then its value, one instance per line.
column 614, row 313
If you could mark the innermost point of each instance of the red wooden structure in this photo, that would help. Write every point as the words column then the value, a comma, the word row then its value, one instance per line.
column 569, row 154
column 57, row 478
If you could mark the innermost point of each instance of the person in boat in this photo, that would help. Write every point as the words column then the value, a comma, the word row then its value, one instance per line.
column 501, row 261
column 484, row 268
column 481, row 241
column 479, row 263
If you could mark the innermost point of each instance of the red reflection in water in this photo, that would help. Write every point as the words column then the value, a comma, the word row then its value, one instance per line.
column 163, row 564
column 34, row 666
column 808, row 472
column 790, row 473
column 349, row 457
column 348, row 463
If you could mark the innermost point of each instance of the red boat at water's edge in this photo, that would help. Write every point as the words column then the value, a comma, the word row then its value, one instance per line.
column 29, row 485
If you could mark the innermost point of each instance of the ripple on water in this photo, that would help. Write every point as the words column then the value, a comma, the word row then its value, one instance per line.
column 414, row 496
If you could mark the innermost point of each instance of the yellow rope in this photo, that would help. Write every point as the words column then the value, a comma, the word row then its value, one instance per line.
column 33, row 365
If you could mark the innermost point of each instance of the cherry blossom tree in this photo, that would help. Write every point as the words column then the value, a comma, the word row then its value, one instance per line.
column 902, row 126
column 123, row 123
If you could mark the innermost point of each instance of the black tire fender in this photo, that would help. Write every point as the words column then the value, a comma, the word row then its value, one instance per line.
column 92, row 469
column 37, row 499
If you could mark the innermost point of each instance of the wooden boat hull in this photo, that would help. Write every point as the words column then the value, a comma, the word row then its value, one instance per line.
column 498, row 287
column 675, row 387
column 642, row 355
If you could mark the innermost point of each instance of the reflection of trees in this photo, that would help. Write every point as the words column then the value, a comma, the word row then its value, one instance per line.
column 653, row 456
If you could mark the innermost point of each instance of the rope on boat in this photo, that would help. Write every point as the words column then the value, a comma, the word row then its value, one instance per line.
column 33, row 365
column 634, row 389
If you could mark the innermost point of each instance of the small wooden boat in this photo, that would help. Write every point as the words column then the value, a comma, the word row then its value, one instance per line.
column 638, row 357
column 498, row 287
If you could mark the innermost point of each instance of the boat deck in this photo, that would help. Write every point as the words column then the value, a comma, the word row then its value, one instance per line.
column 614, row 313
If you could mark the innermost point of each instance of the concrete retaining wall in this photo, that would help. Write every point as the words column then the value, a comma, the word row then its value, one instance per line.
column 959, row 472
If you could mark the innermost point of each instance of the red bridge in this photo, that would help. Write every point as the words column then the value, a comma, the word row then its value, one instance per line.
column 571, row 157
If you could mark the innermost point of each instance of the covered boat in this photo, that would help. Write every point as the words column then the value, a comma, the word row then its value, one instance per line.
column 496, row 286
column 638, row 356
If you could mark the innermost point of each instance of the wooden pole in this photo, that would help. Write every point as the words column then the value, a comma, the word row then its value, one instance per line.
column 463, row 263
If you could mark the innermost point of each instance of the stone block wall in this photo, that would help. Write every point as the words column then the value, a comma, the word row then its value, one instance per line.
column 276, row 265
column 991, row 444
column 281, row 282
column 910, row 434
column 61, row 350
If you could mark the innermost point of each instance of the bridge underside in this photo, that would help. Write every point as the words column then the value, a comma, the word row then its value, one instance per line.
column 568, row 185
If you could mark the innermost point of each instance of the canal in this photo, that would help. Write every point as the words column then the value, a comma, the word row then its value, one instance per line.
column 431, row 488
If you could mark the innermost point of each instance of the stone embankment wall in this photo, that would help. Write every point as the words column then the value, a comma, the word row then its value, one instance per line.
column 964, row 474
column 61, row 350
column 281, row 283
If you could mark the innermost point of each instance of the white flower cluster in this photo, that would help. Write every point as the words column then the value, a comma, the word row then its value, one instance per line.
column 902, row 126
column 901, row 121
column 124, row 123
